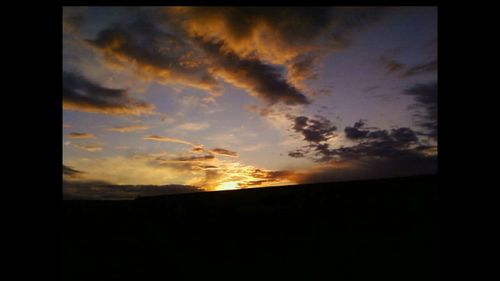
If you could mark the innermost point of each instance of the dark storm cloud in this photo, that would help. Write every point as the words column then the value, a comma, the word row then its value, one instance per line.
column 376, row 153
column 314, row 130
column 96, row 190
column 425, row 98
column 360, row 132
column 81, row 94
column 69, row 171
column 397, row 144
column 404, row 135
column 376, row 144
column 260, row 79
column 421, row 69
column 355, row 132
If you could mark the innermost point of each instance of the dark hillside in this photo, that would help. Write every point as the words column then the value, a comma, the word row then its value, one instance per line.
column 365, row 230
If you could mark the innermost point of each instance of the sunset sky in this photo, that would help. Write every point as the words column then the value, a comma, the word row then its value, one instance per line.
column 161, row 100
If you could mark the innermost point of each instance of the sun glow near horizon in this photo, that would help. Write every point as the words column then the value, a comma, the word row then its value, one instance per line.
column 231, row 185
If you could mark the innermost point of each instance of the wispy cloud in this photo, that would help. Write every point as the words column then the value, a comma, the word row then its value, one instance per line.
column 129, row 128
column 88, row 147
column 167, row 139
column 391, row 65
column 423, row 68
column 76, row 135
column 254, row 147
column 192, row 126
column 425, row 104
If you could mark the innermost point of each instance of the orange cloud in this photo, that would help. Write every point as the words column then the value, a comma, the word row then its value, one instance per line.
column 126, row 129
column 167, row 139
column 133, row 108
column 88, row 147
column 253, row 31
column 81, row 136
column 154, row 55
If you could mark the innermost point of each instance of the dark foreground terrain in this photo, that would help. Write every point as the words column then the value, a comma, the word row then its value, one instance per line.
column 367, row 230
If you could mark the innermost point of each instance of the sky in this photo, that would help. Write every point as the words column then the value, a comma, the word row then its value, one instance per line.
column 162, row 100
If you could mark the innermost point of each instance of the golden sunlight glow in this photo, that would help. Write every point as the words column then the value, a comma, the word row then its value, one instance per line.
column 227, row 186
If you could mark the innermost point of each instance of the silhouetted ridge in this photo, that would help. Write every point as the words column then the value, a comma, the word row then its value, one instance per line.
column 364, row 230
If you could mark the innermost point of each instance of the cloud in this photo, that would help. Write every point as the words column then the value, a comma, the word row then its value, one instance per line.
column 81, row 94
column 359, row 132
column 267, row 177
column 428, row 67
column 404, row 135
column 405, row 71
column 376, row 153
column 391, row 65
column 372, row 142
column 137, row 169
column 129, row 128
column 80, row 136
column 98, row 190
column 254, row 147
column 425, row 103
column 191, row 126
column 88, row 147
column 167, row 139
column 198, row 149
column 70, row 172
column 314, row 130
column 299, row 153
column 274, row 34
column 73, row 19
column 224, row 152
column 193, row 158
column 247, row 47
column 304, row 67
column 259, row 79
column 155, row 54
